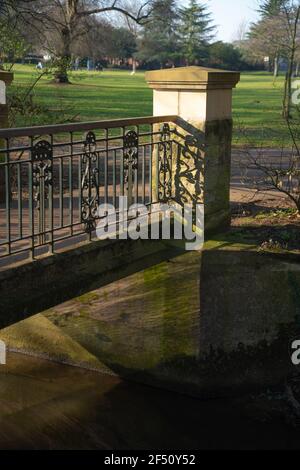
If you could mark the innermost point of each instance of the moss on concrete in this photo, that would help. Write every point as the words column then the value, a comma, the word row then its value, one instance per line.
column 38, row 336
column 200, row 322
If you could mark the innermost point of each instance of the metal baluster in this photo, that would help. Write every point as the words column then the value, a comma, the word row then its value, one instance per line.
column 131, row 142
column 106, row 168
column 150, row 166
column 114, row 177
column 71, row 184
column 61, row 199
column 143, row 174
column 31, row 200
column 41, row 157
column 136, row 166
column 8, row 194
column 20, row 200
column 51, row 206
column 122, row 189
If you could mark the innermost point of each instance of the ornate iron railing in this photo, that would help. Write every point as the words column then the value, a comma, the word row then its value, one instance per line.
column 53, row 178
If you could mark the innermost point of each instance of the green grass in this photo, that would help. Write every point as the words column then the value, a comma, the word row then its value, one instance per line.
column 257, row 107
column 117, row 94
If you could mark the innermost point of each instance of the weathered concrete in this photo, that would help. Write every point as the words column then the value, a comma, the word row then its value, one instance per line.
column 207, row 324
column 33, row 286
column 217, row 169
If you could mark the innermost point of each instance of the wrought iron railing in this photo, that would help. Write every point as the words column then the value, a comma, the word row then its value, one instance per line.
column 53, row 178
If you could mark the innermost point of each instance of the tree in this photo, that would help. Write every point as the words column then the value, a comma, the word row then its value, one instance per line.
column 67, row 20
column 268, row 38
column 277, row 34
column 12, row 45
column 159, row 40
column 223, row 55
column 122, row 44
column 291, row 18
column 240, row 34
column 196, row 31
column 270, row 11
column 269, row 8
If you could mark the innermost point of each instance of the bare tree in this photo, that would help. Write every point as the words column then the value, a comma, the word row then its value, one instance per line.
column 269, row 37
column 292, row 17
column 241, row 32
column 277, row 35
column 131, row 25
column 63, row 22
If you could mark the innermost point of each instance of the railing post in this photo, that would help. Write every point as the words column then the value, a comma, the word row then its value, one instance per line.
column 5, row 79
column 202, row 100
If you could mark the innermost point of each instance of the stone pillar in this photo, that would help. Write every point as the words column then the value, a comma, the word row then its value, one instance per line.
column 5, row 79
column 202, row 100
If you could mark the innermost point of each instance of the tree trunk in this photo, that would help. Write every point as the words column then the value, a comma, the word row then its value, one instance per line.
column 269, row 65
column 286, row 111
column 61, row 74
column 133, row 66
column 297, row 69
column 286, row 99
column 276, row 66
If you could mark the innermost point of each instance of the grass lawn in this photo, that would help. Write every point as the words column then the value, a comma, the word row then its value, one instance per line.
column 117, row 94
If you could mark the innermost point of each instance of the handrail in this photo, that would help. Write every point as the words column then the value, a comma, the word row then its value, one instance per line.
column 51, row 191
column 82, row 126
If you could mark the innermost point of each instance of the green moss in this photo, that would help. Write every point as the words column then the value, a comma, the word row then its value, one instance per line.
column 104, row 295
column 230, row 241
column 87, row 298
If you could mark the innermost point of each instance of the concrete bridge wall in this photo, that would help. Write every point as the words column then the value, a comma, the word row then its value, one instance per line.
column 206, row 324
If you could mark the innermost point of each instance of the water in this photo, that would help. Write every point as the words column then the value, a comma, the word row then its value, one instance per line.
column 44, row 405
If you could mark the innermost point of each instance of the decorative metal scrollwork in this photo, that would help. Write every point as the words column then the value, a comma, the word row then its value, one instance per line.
column 42, row 175
column 189, row 180
column 131, row 151
column 165, row 165
column 42, row 172
column 89, row 183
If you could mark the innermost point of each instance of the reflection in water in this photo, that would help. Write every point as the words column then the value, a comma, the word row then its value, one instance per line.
column 49, row 406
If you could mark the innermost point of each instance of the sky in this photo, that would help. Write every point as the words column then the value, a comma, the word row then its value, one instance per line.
column 229, row 14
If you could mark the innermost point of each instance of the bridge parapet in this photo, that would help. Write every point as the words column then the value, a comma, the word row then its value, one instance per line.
column 56, row 177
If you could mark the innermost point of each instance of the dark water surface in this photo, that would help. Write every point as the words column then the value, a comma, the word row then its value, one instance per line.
column 44, row 405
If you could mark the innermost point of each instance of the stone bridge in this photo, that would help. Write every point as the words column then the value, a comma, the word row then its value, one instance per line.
column 206, row 322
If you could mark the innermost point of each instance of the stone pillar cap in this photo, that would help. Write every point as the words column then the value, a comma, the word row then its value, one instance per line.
column 192, row 78
column 6, row 77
